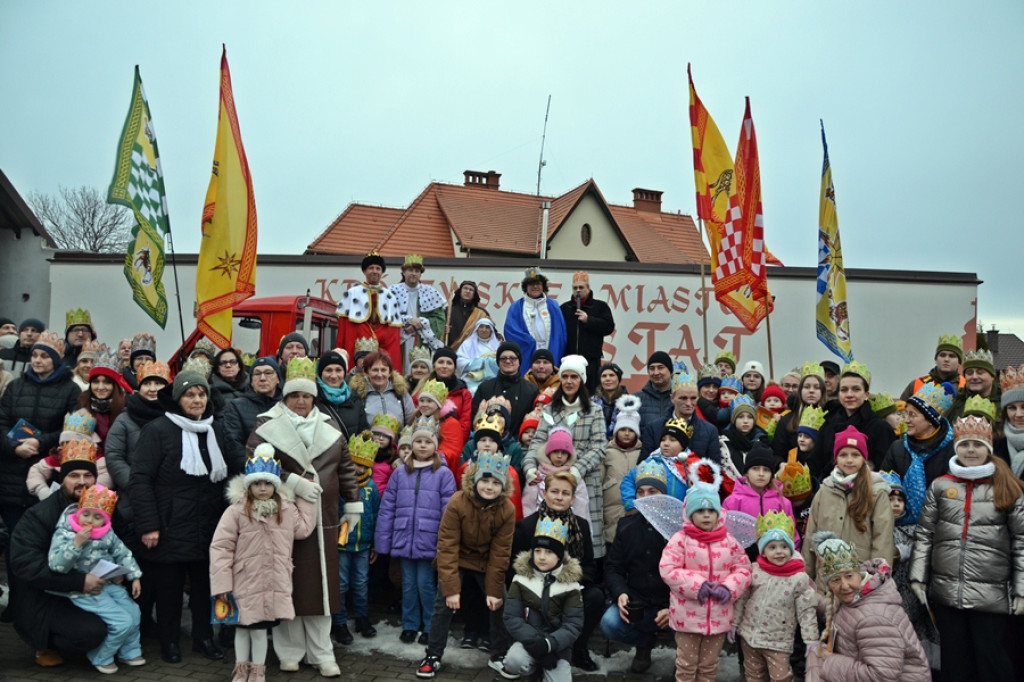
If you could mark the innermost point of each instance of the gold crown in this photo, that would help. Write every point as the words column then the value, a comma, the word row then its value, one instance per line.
column 150, row 370
column 726, row 356
column 82, row 450
column 363, row 448
column 367, row 344
column 77, row 316
column 679, row 424
column 795, row 479
column 90, row 349
column 413, row 261
column 98, row 497
column 204, row 346
column 812, row 369
column 683, row 380
column 881, row 401
column 435, row 390
column 973, row 428
column 859, row 369
column 51, row 340
column 812, row 417
column 387, row 421
column 80, row 423
column 490, row 422
column 950, row 342
column 301, row 368
column 580, row 276
column 1013, row 380
column 979, row 359
column 417, row 354
column 707, row 372
column 775, row 521
column 198, row 364
column 552, row 528
column 835, row 556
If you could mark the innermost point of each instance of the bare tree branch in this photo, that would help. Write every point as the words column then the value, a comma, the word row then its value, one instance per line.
column 82, row 220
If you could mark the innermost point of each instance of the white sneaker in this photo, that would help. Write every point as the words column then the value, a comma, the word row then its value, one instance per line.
column 329, row 669
column 108, row 669
column 289, row 666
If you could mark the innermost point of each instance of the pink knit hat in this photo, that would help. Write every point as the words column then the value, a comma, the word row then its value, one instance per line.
column 559, row 439
column 851, row 437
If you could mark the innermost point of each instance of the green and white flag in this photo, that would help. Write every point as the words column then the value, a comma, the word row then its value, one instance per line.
column 139, row 184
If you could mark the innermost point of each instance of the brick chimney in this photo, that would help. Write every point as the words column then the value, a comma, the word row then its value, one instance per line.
column 647, row 200
column 488, row 180
column 992, row 338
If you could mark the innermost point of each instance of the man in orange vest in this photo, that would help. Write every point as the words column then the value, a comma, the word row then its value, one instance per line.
column 949, row 354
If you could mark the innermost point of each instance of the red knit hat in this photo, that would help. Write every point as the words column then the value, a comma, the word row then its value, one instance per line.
column 773, row 391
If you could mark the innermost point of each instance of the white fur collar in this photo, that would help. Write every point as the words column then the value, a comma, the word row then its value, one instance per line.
column 971, row 473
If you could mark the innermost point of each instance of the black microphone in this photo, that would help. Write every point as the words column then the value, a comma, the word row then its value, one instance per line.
column 579, row 300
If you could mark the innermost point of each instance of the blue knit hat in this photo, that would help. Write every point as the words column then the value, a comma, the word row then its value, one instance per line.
column 702, row 494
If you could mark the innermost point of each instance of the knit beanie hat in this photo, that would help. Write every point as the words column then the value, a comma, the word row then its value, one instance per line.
column 760, row 455
column 185, row 380
column 659, row 357
column 288, row 338
column 542, row 354
column 267, row 361
column 445, row 352
column 851, row 437
column 1012, row 384
column 33, row 322
column 509, row 346
column 953, row 344
column 263, row 466
column 404, row 439
column 773, row 391
column 531, row 421
column 755, row 367
column 551, row 534
column 932, row 400
column 559, row 439
column 700, row 494
column 742, row 404
column 613, row 367
column 652, row 473
column 775, row 526
column 575, row 363
column 628, row 414
column 980, row 359
column 331, row 357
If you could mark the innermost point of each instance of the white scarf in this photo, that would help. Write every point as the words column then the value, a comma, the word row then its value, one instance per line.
column 974, row 473
column 538, row 320
column 1015, row 446
column 191, row 458
column 305, row 427
column 844, row 482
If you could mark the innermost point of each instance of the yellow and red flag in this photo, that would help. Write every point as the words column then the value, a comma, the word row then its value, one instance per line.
column 737, row 257
column 226, row 273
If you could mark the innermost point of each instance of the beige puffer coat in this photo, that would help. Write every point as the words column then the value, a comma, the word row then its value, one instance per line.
column 252, row 558
column 970, row 554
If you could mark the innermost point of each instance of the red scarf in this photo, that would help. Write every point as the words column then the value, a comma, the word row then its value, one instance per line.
column 705, row 536
column 791, row 567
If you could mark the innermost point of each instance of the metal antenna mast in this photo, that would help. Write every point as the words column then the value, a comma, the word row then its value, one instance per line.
column 542, row 162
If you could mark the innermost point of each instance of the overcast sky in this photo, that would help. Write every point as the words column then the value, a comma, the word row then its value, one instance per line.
column 369, row 102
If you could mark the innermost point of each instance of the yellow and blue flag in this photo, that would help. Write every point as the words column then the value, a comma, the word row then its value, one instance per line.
column 831, row 312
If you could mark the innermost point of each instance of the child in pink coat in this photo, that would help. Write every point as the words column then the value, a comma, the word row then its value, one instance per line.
column 757, row 492
column 706, row 570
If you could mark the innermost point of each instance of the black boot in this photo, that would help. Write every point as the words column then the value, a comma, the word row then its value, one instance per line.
column 207, row 648
column 364, row 628
column 341, row 635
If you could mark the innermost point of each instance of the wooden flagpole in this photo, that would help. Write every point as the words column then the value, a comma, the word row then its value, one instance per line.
column 703, row 290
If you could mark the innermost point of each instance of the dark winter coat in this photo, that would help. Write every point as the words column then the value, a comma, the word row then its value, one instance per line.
column 31, row 578
column 899, row 457
column 880, row 437
column 632, row 564
column 517, row 390
column 239, row 419
column 655, row 407
column 704, row 441
column 43, row 405
column 587, row 339
column 16, row 359
column 121, row 450
column 545, row 606
column 350, row 415
column 410, row 512
column 185, row 509
column 522, row 541
column 222, row 392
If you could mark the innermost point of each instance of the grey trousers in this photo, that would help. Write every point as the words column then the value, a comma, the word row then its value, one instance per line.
column 520, row 662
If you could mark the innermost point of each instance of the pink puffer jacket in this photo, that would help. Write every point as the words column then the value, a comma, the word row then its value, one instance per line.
column 692, row 557
column 744, row 499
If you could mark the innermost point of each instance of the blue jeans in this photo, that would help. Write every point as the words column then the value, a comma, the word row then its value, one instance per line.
column 122, row 617
column 618, row 630
column 419, row 587
column 354, row 574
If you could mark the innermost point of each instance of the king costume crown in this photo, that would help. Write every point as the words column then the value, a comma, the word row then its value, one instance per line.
column 435, row 390
column 387, row 421
column 425, row 424
column 78, row 451
column 775, row 522
column 1012, row 384
column 881, row 402
column 980, row 407
column 938, row 397
column 834, row 555
column 893, row 480
column 732, row 383
column 98, row 497
column 651, row 469
column 363, row 448
column 144, row 343
column 417, row 354
column 950, row 342
column 80, row 423
column 973, row 428
column 301, row 368
column 51, row 340
column 812, row 418
column 150, row 370
column 812, row 369
column 726, row 356
column 490, row 422
column 413, row 261
column 366, row 344
column 683, row 380
column 552, row 528
column 78, row 316
column 859, row 369
column 106, row 358
column 262, row 466
column 679, row 424
column 492, row 464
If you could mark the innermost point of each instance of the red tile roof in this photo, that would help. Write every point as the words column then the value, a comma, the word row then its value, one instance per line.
column 495, row 221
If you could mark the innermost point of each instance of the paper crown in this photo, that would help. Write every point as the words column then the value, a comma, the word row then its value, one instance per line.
column 834, row 555
column 976, row 406
column 144, row 343
column 936, row 397
column 423, row 424
column 363, row 448
column 51, row 340
column 973, row 428
column 812, row 369
column 301, row 368
column 413, row 261
column 708, row 372
column 77, row 316
column 731, row 383
column 98, row 497
column 678, row 425
column 203, row 347
column 80, row 423
column 417, row 354
column 858, row 369
column 1012, row 384
column 404, row 439
column 262, row 466
column 950, row 342
column 493, row 422
column 775, row 522
column 153, row 370
column 366, row 345
column 893, row 480
column 882, row 403
column 387, row 421
column 533, row 273
column 727, row 357
column 683, row 379
column 106, row 358
column 90, row 349
column 812, row 418
column 199, row 365
column 795, row 479
column 496, row 401
column 651, row 472
column 83, row 450
column 373, row 258
column 552, row 528
column 435, row 390
column 743, row 399
column 492, row 464
column 979, row 359
column 580, row 277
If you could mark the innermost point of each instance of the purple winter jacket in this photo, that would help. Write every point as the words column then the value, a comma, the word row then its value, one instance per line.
column 410, row 512
column 744, row 499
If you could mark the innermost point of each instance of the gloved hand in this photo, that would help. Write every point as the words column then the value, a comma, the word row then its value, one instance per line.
column 704, row 592
column 549, row 661
column 537, row 648
column 307, row 490
column 352, row 513
column 43, row 491
column 1018, row 606
column 920, row 591
column 731, row 637
column 576, row 474
column 721, row 594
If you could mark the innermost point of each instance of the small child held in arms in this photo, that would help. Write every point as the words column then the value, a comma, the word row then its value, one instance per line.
column 781, row 596
column 251, row 555
column 355, row 550
column 474, row 543
column 408, row 523
column 544, row 607
column 773, row 398
column 757, row 492
column 82, row 539
column 706, row 571
column 620, row 456
column 559, row 455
